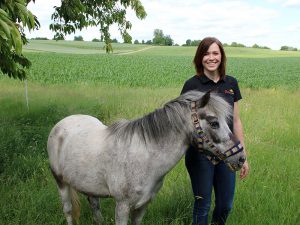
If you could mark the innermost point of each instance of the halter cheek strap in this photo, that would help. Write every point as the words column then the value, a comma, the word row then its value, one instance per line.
column 214, row 155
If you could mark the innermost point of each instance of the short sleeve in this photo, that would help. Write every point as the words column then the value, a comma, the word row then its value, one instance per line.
column 236, row 90
column 188, row 86
column 184, row 88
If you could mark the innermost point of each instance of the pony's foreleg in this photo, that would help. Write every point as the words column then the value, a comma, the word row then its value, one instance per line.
column 122, row 212
column 95, row 206
column 137, row 215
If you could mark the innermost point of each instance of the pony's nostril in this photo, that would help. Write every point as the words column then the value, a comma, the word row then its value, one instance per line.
column 242, row 159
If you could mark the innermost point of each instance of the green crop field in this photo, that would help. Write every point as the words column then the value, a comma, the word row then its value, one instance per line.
column 77, row 77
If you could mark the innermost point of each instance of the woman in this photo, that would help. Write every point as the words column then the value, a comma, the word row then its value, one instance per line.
column 210, row 64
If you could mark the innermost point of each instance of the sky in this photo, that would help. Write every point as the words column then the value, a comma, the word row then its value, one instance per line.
column 271, row 23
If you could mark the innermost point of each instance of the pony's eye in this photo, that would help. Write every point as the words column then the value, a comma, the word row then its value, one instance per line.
column 214, row 124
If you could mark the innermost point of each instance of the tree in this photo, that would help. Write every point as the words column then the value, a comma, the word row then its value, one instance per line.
column 262, row 47
column 72, row 15
column 188, row 42
column 14, row 17
column 168, row 40
column 136, row 42
column 235, row 44
column 78, row 38
column 96, row 40
column 159, row 38
column 78, row 14
column 288, row 48
column 195, row 42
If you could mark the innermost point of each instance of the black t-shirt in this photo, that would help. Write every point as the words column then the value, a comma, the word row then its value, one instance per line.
column 226, row 87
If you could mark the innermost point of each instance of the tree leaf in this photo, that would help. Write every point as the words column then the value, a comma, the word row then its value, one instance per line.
column 17, row 41
column 3, row 35
column 4, row 28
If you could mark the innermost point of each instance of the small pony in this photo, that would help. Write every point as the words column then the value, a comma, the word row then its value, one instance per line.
column 129, row 159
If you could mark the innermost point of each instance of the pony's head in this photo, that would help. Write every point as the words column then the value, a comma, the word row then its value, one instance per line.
column 209, row 115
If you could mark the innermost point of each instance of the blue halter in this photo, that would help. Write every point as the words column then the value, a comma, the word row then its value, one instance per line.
column 214, row 155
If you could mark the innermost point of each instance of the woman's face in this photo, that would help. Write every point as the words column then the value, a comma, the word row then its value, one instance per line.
column 212, row 59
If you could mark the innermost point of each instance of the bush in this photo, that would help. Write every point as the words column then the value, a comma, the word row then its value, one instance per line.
column 78, row 38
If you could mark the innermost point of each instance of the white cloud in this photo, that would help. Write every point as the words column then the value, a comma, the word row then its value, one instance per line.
column 227, row 20
column 291, row 3
column 288, row 3
column 245, row 22
column 293, row 28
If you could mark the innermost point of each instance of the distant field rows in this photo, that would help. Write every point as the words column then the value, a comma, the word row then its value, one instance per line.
column 70, row 62
column 140, row 70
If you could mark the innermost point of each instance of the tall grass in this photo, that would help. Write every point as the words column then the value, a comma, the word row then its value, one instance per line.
column 114, row 87
column 269, row 196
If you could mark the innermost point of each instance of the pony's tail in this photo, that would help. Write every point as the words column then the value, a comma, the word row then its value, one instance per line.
column 75, row 205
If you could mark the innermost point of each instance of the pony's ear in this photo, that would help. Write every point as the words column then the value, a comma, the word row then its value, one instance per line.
column 205, row 99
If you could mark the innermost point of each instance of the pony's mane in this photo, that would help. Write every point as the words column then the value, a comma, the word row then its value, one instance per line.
column 172, row 116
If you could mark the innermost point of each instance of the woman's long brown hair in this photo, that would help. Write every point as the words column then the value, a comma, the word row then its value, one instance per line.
column 201, row 51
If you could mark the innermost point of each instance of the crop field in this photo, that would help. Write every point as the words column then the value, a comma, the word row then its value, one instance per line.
column 78, row 77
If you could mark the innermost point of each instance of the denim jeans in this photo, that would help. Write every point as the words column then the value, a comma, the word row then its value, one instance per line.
column 204, row 177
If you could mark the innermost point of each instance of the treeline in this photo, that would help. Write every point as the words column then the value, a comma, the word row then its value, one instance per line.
column 288, row 48
column 190, row 42
column 165, row 40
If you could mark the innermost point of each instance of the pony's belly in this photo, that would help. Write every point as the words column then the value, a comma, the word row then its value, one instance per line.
column 97, row 191
column 89, row 184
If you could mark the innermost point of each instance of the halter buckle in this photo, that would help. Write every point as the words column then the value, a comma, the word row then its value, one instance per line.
column 195, row 118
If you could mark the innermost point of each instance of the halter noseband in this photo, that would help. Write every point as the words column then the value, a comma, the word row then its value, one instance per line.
column 215, row 155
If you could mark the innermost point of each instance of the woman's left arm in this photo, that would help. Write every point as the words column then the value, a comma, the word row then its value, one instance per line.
column 238, row 131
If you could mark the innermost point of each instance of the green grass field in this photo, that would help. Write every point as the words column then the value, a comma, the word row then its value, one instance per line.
column 115, row 86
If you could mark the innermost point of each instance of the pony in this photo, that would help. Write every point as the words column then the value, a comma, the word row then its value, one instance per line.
column 128, row 160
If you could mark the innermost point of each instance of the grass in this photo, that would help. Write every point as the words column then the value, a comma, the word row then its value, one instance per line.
column 156, row 71
column 270, row 114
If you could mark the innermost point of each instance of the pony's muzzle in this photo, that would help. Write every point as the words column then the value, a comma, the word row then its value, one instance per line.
column 236, row 166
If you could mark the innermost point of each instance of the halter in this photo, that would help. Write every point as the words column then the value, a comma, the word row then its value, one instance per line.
column 215, row 155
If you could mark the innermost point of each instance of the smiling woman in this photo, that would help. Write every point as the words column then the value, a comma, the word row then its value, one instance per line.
column 210, row 64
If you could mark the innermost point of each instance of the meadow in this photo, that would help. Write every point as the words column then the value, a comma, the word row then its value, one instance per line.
column 78, row 77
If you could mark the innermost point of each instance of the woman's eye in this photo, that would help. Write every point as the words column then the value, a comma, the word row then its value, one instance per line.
column 214, row 125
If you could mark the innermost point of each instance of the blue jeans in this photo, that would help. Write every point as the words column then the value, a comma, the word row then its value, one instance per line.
column 204, row 177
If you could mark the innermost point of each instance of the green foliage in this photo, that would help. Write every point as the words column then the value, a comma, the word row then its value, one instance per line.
column 161, row 39
column 235, row 44
column 262, row 47
column 78, row 38
column 189, row 42
column 14, row 17
column 168, row 40
column 96, row 40
column 288, row 48
column 78, row 14
column 40, row 38
column 114, row 40
column 72, row 15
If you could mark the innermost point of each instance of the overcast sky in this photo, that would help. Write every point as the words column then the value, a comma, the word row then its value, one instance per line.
column 271, row 23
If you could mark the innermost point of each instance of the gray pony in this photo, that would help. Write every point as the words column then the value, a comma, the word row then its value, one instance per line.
column 129, row 159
